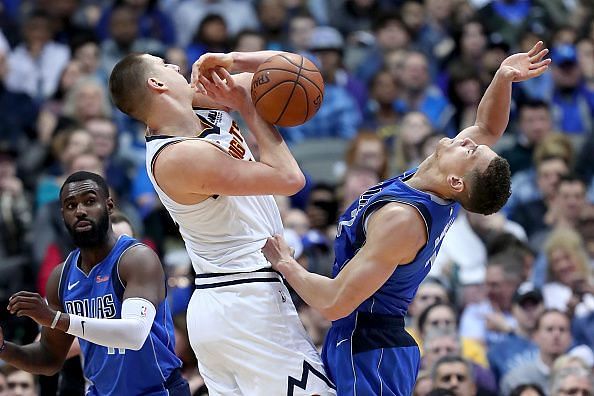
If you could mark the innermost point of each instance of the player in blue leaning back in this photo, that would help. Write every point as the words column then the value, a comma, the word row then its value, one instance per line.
column 389, row 237
column 110, row 293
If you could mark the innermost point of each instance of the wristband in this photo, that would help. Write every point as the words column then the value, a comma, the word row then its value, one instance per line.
column 56, row 318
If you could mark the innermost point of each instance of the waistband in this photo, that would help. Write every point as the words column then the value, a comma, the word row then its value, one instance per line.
column 368, row 320
column 208, row 281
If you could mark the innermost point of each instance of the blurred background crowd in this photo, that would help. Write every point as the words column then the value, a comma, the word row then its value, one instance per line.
column 509, row 305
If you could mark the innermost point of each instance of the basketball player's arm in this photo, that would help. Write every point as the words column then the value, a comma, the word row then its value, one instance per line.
column 493, row 110
column 48, row 354
column 199, row 168
column 395, row 234
column 142, row 275
column 234, row 62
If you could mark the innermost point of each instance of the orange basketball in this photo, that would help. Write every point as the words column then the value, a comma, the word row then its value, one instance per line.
column 287, row 89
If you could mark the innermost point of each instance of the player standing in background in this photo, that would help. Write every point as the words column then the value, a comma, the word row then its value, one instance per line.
column 388, row 239
column 242, row 325
column 110, row 293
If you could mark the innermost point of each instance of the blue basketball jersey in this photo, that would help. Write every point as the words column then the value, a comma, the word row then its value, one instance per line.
column 394, row 297
column 116, row 371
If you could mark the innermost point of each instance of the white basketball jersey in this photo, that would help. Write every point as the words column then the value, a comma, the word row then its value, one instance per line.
column 223, row 233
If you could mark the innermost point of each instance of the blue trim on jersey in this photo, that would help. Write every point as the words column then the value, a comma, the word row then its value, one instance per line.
column 99, row 294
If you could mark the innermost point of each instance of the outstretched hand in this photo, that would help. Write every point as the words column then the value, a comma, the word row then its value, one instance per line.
column 526, row 65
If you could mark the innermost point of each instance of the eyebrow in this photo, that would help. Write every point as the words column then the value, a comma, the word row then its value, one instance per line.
column 69, row 197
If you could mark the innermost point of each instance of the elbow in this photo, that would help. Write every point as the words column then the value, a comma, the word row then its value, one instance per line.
column 294, row 183
column 336, row 310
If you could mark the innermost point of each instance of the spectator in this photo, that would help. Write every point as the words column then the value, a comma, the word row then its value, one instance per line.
column 20, row 383
column 443, row 317
column 85, row 100
column 177, row 56
column 211, row 36
column 430, row 292
column 301, row 27
column 87, row 52
column 553, row 338
column 516, row 345
column 414, row 128
column 564, row 210
column 569, row 282
column 367, row 150
column 248, row 41
column 34, row 67
column 534, row 125
column 424, row 384
column 455, row 374
column 573, row 102
column 503, row 276
column 418, row 94
column 18, row 112
column 465, row 92
column 124, row 38
column 152, row 22
column 572, row 381
column 440, row 343
column 380, row 114
column 527, row 390
column 188, row 15
column 273, row 19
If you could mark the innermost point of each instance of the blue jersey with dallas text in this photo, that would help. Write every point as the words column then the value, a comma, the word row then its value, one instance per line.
column 99, row 294
column 394, row 297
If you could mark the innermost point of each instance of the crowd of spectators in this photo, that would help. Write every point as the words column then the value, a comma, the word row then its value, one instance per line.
column 508, row 307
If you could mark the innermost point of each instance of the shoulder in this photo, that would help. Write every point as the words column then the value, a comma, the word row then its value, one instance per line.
column 53, row 285
column 139, row 259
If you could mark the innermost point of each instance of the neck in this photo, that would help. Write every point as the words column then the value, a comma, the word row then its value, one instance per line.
column 548, row 359
column 174, row 119
column 91, row 256
column 425, row 179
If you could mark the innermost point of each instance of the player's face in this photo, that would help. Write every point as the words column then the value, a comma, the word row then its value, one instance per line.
column 460, row 156
column 170, row 75
column 86, row 213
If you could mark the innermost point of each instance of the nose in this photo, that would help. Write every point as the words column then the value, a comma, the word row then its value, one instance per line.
column 80, row 211
column 467, row 142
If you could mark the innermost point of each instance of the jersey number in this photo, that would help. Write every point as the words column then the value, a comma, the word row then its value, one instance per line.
column 112, row 351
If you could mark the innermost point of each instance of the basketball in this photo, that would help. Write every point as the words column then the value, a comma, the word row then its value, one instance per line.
column 287, row 90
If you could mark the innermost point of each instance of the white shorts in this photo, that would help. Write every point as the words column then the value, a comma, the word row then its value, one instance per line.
column 249, row 340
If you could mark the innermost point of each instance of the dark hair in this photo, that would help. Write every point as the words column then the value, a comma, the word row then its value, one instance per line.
column 424, row 315
column 383, row 19
column 517, row 391
column 571, row 178
column 127, row 84
column 84, row 176
column 532, row 104
column 491, row 189
column 549, row 311
column 450, row 359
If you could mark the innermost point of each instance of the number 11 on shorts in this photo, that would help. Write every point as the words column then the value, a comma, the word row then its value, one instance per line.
column 112, row 351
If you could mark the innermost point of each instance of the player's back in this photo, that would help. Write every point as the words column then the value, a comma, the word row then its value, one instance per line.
column 369, row 350
column 397, row 293
column 99, row 294
column 223, row 233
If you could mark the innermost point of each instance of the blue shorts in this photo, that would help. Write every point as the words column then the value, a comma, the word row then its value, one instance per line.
column 374, row 357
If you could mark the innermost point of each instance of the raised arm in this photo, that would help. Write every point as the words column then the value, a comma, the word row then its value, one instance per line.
column 47, row 355
column 395, row 234
column 493, row 110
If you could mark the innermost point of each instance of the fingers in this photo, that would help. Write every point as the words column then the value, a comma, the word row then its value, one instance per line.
column 226, row 76
column 539, row 56
column 534, row 50
column 540, row 64
column 538, row 72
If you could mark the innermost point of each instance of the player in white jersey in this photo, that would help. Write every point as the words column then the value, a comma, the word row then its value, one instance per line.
column 242, row 324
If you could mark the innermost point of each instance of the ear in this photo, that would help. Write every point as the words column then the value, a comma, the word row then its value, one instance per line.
column 110, row 205
column 456, row 183
column 156, row 84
